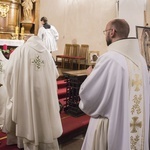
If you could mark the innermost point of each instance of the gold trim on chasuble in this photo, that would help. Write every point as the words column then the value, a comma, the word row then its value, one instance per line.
column 37, row 62
column 136, row 109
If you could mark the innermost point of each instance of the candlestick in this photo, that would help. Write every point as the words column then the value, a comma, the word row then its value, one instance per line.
column 22, row 30
column 17, row 30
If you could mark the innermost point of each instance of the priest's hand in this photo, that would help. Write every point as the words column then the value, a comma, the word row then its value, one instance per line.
column 89, row 70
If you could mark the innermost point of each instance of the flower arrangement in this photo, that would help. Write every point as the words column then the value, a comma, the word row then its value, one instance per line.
column 6, row 52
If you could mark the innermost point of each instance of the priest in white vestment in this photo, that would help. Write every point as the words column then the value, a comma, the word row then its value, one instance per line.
column 118, row 89
column 3, row 94
column 49, row 35
column 32, row 112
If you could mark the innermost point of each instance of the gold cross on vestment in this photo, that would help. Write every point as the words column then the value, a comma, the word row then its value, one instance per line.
column 135, row 124
column 137, row 82
column 38, row 62
column 1, row 67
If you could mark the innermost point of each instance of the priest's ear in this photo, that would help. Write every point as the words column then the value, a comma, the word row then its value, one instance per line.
column 113, row 33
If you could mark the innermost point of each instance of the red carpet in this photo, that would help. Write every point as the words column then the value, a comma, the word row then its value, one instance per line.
column 70, row 123
column 61, row 91
column 72, row 126
column 3, row 145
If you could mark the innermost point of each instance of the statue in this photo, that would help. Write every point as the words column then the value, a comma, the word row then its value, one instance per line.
column 27, row 9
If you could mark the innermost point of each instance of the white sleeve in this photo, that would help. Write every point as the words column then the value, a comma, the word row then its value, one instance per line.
column 55, row 32
column 96, row 92
column 40, row 33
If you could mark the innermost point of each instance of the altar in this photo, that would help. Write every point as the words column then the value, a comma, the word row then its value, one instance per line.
column 12, row 43
column 7, row 46
column 18, row 18
column 18, row 21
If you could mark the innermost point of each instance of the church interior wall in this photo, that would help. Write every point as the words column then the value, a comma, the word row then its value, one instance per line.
column 148, row 12
column 81, row 22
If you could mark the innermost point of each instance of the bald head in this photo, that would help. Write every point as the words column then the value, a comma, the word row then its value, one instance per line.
column 117, row 29
column 121, row 26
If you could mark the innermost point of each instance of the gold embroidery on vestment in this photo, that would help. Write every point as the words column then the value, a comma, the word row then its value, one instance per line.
column 137, row 82
column 134, row 142
column 136, row 106
column 37, row 62
column 136, row 109
column 135, row 124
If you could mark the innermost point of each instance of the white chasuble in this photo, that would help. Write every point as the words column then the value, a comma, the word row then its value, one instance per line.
column 3, row 93
column 136, row 106
column 32, row 112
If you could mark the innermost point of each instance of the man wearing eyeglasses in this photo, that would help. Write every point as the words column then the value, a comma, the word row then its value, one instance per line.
column 116, row 95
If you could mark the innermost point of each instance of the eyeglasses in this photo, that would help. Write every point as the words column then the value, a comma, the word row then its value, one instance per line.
column 106, row 31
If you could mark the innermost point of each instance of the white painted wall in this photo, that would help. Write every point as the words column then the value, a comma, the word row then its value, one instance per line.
column 82, row 21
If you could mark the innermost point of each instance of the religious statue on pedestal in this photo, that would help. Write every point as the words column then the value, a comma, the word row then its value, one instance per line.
column 27, row 9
